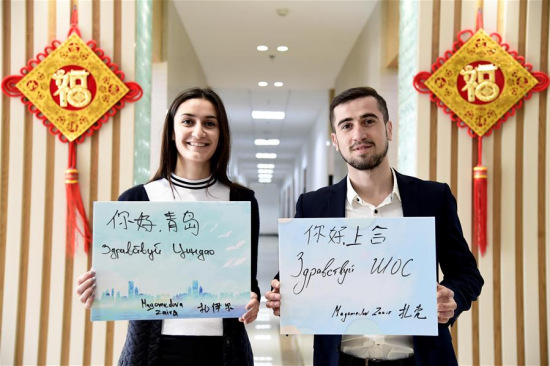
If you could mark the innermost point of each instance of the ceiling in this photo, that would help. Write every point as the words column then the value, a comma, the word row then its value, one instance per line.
column 319, row 35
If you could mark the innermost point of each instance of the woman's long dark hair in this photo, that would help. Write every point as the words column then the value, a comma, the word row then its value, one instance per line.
column 168, row 151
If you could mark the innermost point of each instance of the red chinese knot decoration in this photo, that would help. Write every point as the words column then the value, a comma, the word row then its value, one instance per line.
column 479, row 84
column 74, row 89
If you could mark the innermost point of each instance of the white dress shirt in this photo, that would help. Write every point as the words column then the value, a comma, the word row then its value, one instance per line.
column 379, row 347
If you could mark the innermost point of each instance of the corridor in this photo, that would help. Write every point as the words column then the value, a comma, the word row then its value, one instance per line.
column 269, row 347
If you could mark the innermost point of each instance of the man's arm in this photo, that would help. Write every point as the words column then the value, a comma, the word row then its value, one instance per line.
column 459, row 267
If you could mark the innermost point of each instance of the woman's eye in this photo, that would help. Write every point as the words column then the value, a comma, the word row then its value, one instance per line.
column 210, row 124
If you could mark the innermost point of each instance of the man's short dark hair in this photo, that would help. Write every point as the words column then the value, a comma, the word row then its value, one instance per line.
column 356, row 93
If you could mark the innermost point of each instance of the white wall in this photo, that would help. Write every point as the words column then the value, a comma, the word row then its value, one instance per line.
column 268, row 200
column 365, row 66
column 183, row 66
column 316, row 158
column 313, row 157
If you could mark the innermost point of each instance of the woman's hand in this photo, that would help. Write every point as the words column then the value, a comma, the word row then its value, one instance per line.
column 86, row 287
column 252, row 308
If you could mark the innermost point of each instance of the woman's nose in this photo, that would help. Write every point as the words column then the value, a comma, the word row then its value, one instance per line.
column 198, row 131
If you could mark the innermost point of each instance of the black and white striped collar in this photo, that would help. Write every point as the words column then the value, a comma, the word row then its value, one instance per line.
column 193, row 184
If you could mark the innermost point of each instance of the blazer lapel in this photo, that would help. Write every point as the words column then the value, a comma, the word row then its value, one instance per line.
column 336, row 202
column 409, row 202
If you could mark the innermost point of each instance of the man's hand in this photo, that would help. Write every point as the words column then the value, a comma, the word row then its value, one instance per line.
column 252, row 308
column 446, row 304
column 274, row 298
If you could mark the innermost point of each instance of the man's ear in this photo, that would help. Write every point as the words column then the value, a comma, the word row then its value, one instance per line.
column 334, row 141
column 389, row 130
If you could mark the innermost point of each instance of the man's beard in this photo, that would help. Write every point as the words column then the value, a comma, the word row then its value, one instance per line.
column 368, row 163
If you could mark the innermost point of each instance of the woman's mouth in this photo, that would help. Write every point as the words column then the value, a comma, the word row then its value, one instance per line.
column 197, row 144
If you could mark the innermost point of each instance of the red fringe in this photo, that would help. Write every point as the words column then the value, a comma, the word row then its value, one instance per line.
column 77, row 221
column 480, row 208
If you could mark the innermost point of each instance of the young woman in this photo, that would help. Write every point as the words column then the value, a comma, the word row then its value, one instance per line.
column 193, row 167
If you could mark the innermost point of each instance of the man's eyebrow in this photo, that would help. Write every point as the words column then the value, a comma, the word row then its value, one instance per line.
column 371, row 115
column 363, row 116
column 344, row 121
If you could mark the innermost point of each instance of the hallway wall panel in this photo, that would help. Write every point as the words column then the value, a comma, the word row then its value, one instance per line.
column 508, row 325
column 41, row 319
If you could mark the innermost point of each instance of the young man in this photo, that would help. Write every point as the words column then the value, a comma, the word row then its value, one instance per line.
column 361, row 133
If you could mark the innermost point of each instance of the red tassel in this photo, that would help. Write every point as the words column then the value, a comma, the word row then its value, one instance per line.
column 480, row 208
column 77, row 221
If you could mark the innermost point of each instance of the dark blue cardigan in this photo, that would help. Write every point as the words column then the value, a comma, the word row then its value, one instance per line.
column 142, row 340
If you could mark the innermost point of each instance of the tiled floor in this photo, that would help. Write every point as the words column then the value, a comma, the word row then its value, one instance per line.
column 269, row 347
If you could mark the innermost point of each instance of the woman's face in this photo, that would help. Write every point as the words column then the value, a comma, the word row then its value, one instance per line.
column 196, row 133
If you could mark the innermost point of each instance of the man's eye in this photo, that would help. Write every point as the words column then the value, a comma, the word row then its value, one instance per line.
column 345, row 127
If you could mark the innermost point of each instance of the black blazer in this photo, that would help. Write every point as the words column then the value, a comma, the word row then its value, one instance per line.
column 458, row 265
column 142, row 339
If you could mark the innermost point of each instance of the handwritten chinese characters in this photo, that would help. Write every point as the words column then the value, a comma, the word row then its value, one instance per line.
column 358, row 276
column 122, row 220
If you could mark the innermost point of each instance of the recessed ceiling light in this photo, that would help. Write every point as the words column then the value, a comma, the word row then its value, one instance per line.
column 265, row 171
column 269, row 142
column 262, row 48
column 266, row 166
column 282, row 12
column 262, row 83
column 282, row 48
column 268, row 115
column 264, row 180
column 278, row 84
column 266, row 156
column 265, row 176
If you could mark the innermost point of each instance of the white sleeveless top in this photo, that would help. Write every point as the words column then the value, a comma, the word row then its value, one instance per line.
column 208, row 189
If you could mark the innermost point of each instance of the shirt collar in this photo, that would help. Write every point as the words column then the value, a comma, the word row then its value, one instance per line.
column 351, row 195
column 192, row 184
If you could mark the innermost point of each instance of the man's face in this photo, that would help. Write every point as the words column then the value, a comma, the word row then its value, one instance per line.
column 361, row 136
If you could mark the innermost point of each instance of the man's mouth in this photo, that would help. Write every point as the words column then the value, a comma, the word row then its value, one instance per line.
column 361, row 146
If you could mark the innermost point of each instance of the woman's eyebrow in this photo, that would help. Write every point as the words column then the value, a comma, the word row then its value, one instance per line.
column 192, row 115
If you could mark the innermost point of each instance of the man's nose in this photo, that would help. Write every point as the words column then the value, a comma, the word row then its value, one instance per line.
column 359, row 133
